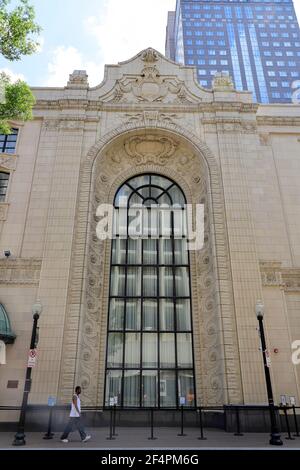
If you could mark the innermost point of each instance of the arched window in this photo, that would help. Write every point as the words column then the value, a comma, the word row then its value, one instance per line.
column 4, row 177
column 149, row 360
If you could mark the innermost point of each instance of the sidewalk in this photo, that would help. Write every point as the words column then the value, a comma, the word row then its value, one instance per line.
column 137, row 438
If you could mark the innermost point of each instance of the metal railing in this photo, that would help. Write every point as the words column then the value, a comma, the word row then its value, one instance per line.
column 234, row 417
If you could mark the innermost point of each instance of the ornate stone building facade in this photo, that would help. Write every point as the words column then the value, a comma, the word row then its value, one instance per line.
column 239, row 159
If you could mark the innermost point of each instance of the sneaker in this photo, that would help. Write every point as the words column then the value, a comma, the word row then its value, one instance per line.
column 87, row 438
column 65, row 440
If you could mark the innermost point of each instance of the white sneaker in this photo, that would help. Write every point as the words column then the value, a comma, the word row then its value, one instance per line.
column 65, row 440
column 87, row 438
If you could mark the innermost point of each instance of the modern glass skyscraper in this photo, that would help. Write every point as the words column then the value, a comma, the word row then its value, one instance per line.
column 256, row 41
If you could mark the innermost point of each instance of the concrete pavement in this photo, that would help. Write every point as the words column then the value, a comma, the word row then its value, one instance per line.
column 137, row 438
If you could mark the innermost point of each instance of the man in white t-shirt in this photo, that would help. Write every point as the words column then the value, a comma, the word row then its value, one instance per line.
column 75, row 419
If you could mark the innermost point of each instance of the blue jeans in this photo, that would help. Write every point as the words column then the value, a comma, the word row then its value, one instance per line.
column 74, row 423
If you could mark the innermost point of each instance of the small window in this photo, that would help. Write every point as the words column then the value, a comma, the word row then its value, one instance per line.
column 4, row 177
column 8, row 142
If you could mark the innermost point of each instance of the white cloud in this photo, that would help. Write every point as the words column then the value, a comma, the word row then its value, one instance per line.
column 67, row 59
column 120, row 30
column 13, row 76
column 124, row 28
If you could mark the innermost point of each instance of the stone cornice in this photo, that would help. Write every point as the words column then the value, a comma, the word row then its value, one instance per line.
column 274, row 275
column 97, row 105
column 278, row 121
column 20, row 270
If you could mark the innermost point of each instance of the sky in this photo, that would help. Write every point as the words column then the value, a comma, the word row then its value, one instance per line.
column 86, row 34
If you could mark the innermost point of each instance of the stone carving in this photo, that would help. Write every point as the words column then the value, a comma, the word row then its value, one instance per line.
column 51, row 125
column 222, row 82
column 273, row 274
column 152, row 117
column 147, row 149
column 71, row 125
column 150, row 55
column 20, row 271
column 3, row 211
column 8, row 162
column 264, row 139
column 150, row 87
column 78, row 79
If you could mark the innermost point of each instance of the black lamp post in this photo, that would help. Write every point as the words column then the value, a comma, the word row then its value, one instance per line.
column 275, row 435
column 20, row 436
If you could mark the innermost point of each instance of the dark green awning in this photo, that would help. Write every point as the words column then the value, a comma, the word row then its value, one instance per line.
column 6, row 333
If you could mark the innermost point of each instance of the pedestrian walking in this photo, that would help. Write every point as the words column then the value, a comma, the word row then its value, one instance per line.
column 75, row 421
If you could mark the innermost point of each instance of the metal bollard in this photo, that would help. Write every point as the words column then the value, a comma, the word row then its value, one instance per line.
column 201, row 438
column 182, row 420
column 49, row 434
column 290, row 438
column 296, row 422
column 111, row 438
column 238, row 425
column 152, row 438
column 114, row 421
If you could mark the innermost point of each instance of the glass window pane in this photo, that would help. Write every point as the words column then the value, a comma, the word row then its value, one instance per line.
column 150, row 315
column 116, row 314
column 167, row 350
column 182, row 282
column 117, row 281
column 161, row 181
column 166, row 315
column 186, row 387
column 156, row 192
column 167, row 389
column 165, row 199
column 149, row 252
column 120, row 222
column 166, row 282
column 132, row 350
column 132, row 388
column 181, row 252
column 113, row 386
column 134, row 251
column 150, row 282
column 184, row 350
column 150, row 351
column 119, row 251
column 165, row 251
column 165, row 223
column 12, row 138
column 149, row 388
column 122, row 196
column 176, row 195
column 183, row 315
column 138, row 181
column 133, row 314
column 115, row 350
column 134, row 282
column 180, row 228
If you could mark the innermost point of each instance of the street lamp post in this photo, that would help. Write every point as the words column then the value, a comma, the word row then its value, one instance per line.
column 275, row 435
column 20, row 436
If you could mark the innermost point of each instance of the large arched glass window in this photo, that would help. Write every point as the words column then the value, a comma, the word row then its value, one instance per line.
column 149, row 359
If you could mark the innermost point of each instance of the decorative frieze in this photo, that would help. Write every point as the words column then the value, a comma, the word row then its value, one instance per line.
column 3, row 211
column 20, row 270
column 273, row 274
column 8, row 161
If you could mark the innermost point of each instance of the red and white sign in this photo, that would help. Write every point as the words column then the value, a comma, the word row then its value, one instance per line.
column 32, row 358
column 268, row 359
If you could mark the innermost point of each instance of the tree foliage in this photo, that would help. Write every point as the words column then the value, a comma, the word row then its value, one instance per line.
column 17, row 103
column 17, row 28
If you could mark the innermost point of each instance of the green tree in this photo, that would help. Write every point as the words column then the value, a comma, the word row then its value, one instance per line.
column 17, row 28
